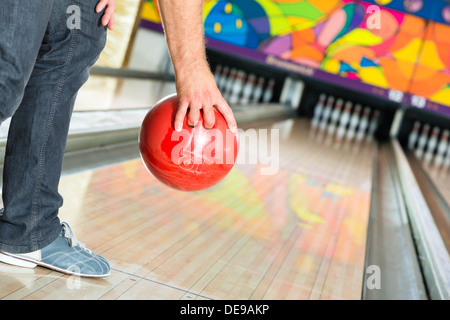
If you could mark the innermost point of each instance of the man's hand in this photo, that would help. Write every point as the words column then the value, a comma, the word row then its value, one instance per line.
column 108, row 16
column 198, row 91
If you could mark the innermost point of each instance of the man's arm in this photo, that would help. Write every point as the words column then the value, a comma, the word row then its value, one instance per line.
column 195, row 84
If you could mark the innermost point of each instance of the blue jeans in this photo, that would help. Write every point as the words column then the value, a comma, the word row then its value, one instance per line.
column 44, row 60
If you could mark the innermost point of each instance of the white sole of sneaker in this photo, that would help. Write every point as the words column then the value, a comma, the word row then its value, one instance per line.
column 16, row 261
column 22, row 262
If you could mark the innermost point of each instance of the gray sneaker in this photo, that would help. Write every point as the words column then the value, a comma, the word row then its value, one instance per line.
column 65, row 255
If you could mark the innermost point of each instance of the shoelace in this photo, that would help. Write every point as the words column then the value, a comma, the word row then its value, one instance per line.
column 70, row 236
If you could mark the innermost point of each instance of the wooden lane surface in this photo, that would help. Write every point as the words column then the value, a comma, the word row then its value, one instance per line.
column 440, row 176
column 297, row 234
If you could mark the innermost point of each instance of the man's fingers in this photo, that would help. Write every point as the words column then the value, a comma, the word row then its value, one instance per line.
column 109, row 13
column 203, row 106
column 111, row 23
column 209, row 118
column 227, row 113
column 179, row 116
column 101, row 5
column 193, row 116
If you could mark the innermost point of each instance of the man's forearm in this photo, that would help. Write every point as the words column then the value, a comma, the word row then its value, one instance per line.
column 183, row 27
column 196, row 87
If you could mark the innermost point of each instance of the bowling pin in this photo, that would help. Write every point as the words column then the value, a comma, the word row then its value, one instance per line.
column 442, row 148
column 421, row 143
column 363, row 124
column 218, row 74
column 229, row 84
column 297, row 93
column 373, row 125
column 237, row 87
column 326, row 114
column 223, row 79
column 413, row 136
column 318, row 111
column 446, row 164
column 248, row 89
column 286, row 91
column 432, row 143
column 257, row 93
column 344, row 120
column 335, row 117
column 268, row 93
column 354, row 121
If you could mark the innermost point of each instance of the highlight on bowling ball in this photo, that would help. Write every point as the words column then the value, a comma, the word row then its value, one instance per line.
column 192, row 159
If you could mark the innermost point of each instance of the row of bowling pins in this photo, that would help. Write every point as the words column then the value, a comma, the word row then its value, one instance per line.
column 426, row 144
column 344, row 122
column 239, row 88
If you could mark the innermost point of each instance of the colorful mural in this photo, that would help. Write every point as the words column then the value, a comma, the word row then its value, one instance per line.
column 431, row 78
column 397, row 45
column 342, row 42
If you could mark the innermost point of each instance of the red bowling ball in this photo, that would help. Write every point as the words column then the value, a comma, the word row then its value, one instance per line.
column 190, row 160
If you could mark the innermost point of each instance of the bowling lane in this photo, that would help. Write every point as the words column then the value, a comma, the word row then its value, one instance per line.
column 434, row 181
column 433, row 154
column 296, row 232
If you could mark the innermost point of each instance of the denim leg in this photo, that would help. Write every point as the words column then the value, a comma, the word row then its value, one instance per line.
column 38, row 131
column 22, row 28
